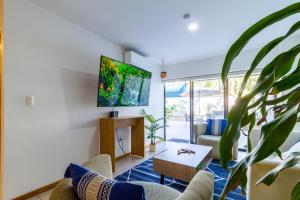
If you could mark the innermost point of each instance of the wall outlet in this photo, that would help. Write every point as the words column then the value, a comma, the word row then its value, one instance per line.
column 30, row 101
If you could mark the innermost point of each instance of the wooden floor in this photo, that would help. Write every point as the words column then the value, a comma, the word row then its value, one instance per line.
column 130, row 161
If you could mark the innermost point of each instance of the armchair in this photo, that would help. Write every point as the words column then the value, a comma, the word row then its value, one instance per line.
column 287, row 179
column 200, row 188
column 210, row 140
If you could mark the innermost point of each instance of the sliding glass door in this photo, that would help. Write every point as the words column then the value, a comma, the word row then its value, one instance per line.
column 208, row 100
column 193, row 102
column 177, row 109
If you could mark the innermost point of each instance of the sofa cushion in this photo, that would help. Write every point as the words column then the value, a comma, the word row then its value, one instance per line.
column 89, row 185
column 216, row 126
column 212, row 141
column 201, row 187
column 154, row 191
column 100, row 164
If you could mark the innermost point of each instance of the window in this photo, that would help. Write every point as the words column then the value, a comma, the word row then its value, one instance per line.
column 177, row 109
column 208, row 100
column 234, row 84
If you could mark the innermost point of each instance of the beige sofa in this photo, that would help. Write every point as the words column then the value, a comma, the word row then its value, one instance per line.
column 200, row 188
column 210, row 140
column 282, row 187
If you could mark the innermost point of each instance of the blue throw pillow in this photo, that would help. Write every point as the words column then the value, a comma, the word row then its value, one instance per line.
column 216, row 126
column 92, row 186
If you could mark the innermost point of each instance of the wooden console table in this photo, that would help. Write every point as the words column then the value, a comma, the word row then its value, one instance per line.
column 108, row 128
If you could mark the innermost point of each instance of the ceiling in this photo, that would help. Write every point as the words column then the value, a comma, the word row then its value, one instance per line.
column 156, row 28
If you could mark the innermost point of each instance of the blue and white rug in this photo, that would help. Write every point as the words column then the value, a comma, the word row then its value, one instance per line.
column 144, row 172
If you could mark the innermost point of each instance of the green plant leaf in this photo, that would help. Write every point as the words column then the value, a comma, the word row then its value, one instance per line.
column 270, row 177
column 251, row 126
column 294, row 98
column 157, row 128
column 237, row 174
column 158, row 137
column 296, row 192
column 249, row 144
column 274, row 78
column 237, row 47
column 231, row 133
column 279, row 154
column 285, row 62
column 255, row 104
column 264, row 51
column 273, row 135
column 282, row 98
column 247, row 119
column 149, row 128
column 287, row 83
column 159, row 119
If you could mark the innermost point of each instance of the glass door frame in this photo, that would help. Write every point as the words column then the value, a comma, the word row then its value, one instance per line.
column 192, row 141
column 191, row 99
column 191, row 117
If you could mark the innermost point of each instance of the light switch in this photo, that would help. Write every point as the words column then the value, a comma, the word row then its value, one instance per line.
column 30, row 101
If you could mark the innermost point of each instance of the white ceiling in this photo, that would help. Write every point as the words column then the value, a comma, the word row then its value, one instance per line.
column 156, row 28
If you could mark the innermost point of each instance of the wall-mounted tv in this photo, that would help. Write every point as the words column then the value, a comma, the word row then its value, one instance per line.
column 122, row 84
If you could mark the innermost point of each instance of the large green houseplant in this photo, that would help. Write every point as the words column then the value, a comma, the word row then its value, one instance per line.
column 278, row 76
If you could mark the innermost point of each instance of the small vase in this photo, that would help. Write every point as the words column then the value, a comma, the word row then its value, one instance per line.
column 152, row 147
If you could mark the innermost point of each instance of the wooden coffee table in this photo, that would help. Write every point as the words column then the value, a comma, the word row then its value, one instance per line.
column 183, row 166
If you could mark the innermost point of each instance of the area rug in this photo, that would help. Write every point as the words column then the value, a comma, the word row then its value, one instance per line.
column 179, row 140
column 144, row 172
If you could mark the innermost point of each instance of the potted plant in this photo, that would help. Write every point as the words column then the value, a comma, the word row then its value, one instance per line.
column 278, row 76
column 153, row 126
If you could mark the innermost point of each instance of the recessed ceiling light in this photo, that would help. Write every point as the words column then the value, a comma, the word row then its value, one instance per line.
column 193, row 26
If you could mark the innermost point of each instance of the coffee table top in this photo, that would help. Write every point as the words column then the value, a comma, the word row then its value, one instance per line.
column 170, row 154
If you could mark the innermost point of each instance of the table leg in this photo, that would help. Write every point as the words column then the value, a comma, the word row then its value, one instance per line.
column 162, row 178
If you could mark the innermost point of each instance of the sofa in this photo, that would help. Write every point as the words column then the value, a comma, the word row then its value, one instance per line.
column 282, row 187
column 210, row 140
column 200, row 188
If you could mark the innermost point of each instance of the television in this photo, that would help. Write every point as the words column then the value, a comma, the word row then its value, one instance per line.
column 122, row 84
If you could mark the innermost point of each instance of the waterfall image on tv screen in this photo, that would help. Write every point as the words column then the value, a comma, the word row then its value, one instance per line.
column 122, row 84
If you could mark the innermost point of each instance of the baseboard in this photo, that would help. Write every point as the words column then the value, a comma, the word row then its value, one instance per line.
column 122, row 156
column 37, row 191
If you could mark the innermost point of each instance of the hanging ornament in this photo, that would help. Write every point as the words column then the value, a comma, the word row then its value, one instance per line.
column 163, row 73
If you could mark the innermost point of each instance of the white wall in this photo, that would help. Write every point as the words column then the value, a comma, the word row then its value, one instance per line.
column 213, row 65
column 210, row 66
column 57, row 62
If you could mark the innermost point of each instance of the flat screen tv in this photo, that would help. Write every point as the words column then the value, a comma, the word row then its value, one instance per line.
column 122, row 84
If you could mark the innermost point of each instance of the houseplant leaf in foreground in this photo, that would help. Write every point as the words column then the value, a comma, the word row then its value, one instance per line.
column 270, row 177
column 275, row 77
column 264, row 51
column 237, row 47
column 273, row 71
column 296, row 192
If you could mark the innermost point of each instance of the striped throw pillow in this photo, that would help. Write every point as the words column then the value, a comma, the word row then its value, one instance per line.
column 92, row 186
column 216, row 126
